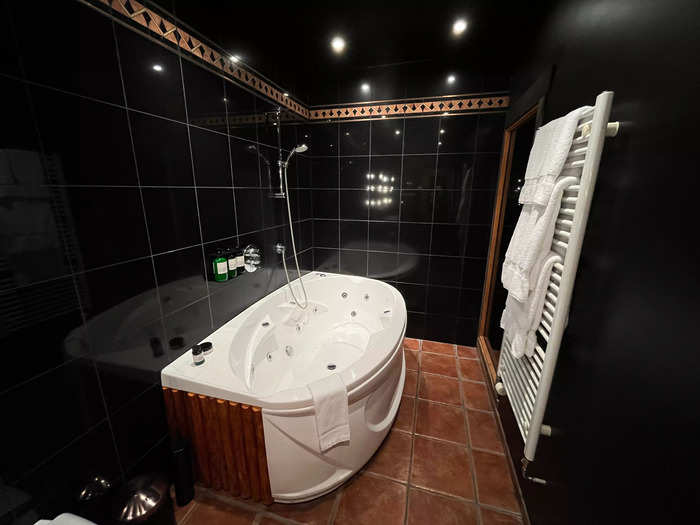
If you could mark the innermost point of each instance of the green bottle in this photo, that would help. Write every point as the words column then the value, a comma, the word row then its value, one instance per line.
column 220, row 266
column 231, row 261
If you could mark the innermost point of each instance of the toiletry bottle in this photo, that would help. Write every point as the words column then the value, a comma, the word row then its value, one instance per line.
column 197, row 355
column 220, row 266
column 231, row 261
column 240, row 260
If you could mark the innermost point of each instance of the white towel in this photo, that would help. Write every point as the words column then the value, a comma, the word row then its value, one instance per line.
column 531, row 239
column 547, row 157
column 331, row 406
column 521, row 319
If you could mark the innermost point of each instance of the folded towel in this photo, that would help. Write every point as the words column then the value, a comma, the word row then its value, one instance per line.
column 521, row 319
column 531, row 239
column 331, row 406
column 547, row 157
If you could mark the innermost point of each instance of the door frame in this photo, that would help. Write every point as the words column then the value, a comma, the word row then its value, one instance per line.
column 490, row 282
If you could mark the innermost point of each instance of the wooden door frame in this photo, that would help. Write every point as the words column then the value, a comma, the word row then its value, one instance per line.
column 490, row 282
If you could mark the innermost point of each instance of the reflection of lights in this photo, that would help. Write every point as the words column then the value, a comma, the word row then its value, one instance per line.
column 338, row 44
column 306, row 136
column 442, row 131
column 392, row 179
column 157, row 67
column 225, row 99
column 285, row 94
column 365, row 87
column 347, row 133
column 367, row 203
column 459, row 26
column 367, row 175
column 397, row 132
column 234, row 58
column 451, row 79
column 439, row 143
column 383, row 116
column 446, row 113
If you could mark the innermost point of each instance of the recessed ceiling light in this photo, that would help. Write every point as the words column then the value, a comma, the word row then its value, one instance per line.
column 451, row 79
column 397, row 132
column 234, row 58
column 338, row 44
column 365, row 87
column 225, row 99
column 459, row 26
column 442, row 131
column 157, row 67
column 383, row 116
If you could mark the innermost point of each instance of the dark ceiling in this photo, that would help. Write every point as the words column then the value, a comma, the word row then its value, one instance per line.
column 401, row 51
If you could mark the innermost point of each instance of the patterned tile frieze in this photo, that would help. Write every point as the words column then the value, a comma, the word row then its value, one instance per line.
column 160, row 27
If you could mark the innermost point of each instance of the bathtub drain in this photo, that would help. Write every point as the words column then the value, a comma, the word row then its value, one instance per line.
column 330, row 366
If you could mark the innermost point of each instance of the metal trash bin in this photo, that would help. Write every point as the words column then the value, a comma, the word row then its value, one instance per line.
column 145, row 500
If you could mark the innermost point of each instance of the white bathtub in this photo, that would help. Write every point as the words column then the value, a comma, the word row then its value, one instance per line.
column 267, row 355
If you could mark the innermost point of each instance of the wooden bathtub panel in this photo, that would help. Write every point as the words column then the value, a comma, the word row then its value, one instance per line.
column 227, row 441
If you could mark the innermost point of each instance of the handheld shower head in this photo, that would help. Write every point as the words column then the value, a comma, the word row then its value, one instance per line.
column 301, row 149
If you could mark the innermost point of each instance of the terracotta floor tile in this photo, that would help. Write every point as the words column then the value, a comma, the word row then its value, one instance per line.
column 440, row 421
column 181, row 512
column 438, row 348
column 471, row 369
column 475, row 395
column 438, row 364
column 404, row 418
column 437, row 388
column 214, row 512
column 411, row 344
column 484, row 431
column 311, row 512
column 441, row 466
column 412, row 359
column 411, row 384
column 494, row 482
column 369, row 500
column 424, row 507
column 393, row 457
column 466, row 352
column 491, row 517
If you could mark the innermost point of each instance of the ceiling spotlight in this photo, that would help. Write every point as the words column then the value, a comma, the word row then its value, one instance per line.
column 459, row 26
column 157, row 67
column 285, row 94
column 225, row 99
column 397, row 132
column 365, row 87
column 451, row 79
column 383, row 116
column 338, row 44
column 234, row 58
column 442, row 131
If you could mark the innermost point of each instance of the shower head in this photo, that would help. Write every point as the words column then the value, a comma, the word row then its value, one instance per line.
column 301, row 149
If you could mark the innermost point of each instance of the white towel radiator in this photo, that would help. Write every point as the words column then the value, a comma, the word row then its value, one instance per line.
column 527, row 380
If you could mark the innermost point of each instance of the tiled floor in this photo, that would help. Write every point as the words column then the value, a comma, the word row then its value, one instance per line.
column 442, row 462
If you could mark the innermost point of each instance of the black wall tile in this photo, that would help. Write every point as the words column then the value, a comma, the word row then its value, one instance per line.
column 216, row 213
column 385, row 139
column 412, row 268
column 205, row 97
column 458, row 134
column 354, row 138
column 192, row 323
column 414, row 295
column 490, row 132
column 445, row 271
column 210, row 155
column 414, row 238
column 354, row 172
column 353, row 204
column 322, row 139
column 172, row 218
column 108, row 223
column 353, row 262
column 473, row 273
column 443, row 300
column 325, row 204
column 470, row 304
column 249, row 210
column 420, row 135
column 326, row 260
column 419, row 172
column 452, row 206
column 416, row 206
column 181, row 277
column 353, row 235
column 244, row 158
column 486, row 174
column 157, row 92
column 383, row 236
column 86, row 142
column 324, row 172
column 326, row 233
column 383, row 266
column 455, row 172
column 448, row 239
column 162, row 151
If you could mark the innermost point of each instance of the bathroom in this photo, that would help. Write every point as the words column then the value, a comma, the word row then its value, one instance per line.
column 169, row 168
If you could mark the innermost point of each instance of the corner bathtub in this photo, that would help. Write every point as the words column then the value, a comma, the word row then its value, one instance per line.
column 267, row 355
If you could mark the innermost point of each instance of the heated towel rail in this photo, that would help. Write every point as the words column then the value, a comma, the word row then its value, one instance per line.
column 527, row 380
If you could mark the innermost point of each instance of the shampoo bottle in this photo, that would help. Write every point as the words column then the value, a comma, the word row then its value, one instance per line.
column 220, row 266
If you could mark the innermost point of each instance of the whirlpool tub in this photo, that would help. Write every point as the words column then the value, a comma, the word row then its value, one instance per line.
column 260, row 366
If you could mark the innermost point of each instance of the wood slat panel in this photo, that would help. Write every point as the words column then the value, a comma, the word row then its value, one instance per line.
column 227, row 440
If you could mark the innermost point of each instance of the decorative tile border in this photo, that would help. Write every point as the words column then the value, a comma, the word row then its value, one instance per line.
column 401, row 108
column 164, row 29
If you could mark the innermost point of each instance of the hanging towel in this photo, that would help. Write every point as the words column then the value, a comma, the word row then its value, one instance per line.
column 331, row 406
column 531, row 239
column 520, row 320
column 547, row 157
